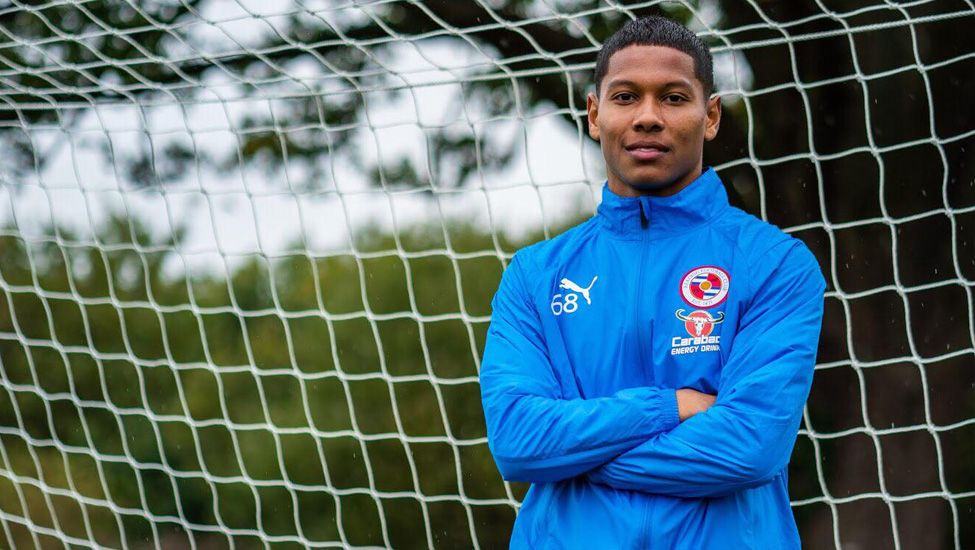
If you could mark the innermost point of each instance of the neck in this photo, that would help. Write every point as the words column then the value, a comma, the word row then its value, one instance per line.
column 659, row 216
column 620, row 187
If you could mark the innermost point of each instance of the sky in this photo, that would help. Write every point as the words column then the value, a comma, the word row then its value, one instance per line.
column 557, row 171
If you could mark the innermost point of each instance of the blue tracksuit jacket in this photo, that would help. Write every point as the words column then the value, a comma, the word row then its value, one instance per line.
column 594, row 330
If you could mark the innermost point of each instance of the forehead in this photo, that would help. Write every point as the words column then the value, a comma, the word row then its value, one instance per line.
column 649, row 64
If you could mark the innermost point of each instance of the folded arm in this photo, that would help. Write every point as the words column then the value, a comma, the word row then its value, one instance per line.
column 534, row 433
column 746, row 438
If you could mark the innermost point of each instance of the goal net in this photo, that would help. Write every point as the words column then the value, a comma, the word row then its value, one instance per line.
column 248, row 248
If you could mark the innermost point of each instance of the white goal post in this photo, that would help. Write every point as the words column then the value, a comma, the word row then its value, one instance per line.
column 248, row 248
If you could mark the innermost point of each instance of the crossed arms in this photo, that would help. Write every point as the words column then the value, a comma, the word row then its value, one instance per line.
column 634, row 439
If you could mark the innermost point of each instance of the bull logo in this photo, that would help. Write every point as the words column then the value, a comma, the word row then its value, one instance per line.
column 699, row 323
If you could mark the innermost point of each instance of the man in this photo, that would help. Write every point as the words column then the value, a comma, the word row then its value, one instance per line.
column 646, row 370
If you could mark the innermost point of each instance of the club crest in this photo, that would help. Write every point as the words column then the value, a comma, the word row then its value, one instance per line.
column 705, row 287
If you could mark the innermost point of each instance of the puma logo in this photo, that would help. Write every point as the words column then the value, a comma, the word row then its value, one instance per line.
column 569, row 285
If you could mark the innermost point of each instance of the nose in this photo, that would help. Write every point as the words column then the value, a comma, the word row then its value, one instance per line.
column 648, row 117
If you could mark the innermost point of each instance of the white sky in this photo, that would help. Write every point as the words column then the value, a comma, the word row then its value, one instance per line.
column 556, row 171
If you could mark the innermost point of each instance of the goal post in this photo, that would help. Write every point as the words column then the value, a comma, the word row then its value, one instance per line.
column 248, row 250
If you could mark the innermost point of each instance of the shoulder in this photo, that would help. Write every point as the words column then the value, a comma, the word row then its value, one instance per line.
column 749, row 234
column 533, row 263
column 756, row 239
column 767, row 250
column 549, row 254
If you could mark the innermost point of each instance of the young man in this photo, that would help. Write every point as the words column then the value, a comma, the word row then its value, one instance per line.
column 646, row 370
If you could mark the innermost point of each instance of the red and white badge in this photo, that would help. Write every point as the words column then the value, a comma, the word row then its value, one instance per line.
column 699, row 323
column 705, row 286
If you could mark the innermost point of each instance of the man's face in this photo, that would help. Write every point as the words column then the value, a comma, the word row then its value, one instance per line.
column 651, row 119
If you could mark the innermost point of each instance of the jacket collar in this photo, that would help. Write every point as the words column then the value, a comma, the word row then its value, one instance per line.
column 694, row 205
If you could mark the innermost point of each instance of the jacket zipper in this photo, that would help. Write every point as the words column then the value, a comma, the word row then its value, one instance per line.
column 642, row 337
column 644, row 245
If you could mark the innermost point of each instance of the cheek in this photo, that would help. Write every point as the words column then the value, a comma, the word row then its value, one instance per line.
column 693, row 129
column 605, row 148
column 611, row 124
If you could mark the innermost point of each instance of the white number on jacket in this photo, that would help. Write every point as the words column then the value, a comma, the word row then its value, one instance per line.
column 570, row 302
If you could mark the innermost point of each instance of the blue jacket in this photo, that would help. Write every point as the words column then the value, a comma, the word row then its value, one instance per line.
column 594, row 330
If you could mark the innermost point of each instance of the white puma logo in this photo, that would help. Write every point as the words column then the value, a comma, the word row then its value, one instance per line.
column 569, row 285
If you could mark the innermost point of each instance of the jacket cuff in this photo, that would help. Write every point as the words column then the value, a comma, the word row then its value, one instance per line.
column 658, row 404
column 671, row 413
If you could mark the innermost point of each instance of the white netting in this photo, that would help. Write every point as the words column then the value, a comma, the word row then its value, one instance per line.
column 248, row 250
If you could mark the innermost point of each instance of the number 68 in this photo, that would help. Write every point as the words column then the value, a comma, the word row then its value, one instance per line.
column 567, row 305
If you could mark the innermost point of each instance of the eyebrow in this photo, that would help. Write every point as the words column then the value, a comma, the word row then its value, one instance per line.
column 625, row 82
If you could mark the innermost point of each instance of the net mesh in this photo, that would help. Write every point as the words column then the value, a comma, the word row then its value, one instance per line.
column 248, row 252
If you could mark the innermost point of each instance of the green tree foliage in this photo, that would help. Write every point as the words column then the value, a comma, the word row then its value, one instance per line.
column 284, row 391
column 123, row 384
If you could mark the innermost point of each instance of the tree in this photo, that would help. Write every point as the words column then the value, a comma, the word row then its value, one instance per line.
column 856, row 141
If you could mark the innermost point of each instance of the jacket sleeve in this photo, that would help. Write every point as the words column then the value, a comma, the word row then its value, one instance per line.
column 534, row 433
column 746, row 438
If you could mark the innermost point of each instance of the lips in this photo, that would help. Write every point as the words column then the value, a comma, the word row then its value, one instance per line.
column 647, row 150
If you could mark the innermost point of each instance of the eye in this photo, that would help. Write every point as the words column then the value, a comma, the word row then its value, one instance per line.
column 624, row 97
column 675, row 98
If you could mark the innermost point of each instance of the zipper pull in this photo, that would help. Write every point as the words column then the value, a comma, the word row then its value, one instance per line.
column 644, row 219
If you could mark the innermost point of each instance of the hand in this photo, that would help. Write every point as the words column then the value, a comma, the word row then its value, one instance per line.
column 691, row 402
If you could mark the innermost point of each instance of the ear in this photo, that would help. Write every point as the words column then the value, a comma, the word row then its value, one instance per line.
column 713, row 118
column 592, row 108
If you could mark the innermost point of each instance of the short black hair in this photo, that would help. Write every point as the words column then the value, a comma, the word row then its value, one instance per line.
column 658, row 31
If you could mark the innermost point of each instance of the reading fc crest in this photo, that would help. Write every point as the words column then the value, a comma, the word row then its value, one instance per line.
column 705, row 287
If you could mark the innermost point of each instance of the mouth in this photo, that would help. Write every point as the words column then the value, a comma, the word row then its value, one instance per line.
column 647, row 150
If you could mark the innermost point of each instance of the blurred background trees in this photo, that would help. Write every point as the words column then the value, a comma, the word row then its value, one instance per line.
column 120, row 380
column 162, row 419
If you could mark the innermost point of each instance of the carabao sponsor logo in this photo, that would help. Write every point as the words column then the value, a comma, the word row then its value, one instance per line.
column 699, row 325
